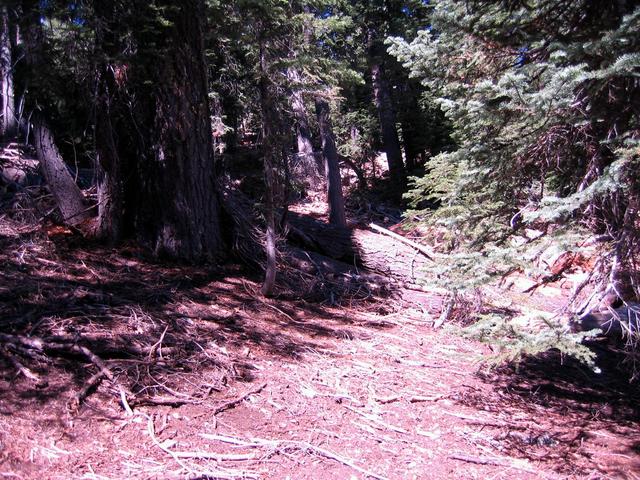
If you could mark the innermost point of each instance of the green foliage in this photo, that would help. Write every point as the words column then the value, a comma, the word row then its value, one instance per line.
column 536, row 136
column 530, row 336
column 542, row 97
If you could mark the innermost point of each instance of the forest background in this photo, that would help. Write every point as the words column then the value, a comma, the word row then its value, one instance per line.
column 508, row 127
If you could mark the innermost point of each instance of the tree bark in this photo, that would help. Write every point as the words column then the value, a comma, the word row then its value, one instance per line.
column 8, row 120
column 410, row 122
column 303, row 131
column 411, row 149
column 66, row 193
column 177, row 212
column 270, row 149
column 109, row 183
column 109, row 180
column 331, row 165
column 387, row 118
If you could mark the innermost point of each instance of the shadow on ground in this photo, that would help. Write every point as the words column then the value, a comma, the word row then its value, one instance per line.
column 595, row 409
column 155, row 325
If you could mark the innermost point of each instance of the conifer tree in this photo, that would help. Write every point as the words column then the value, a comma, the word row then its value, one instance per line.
column 8, row 118
column 545, row 103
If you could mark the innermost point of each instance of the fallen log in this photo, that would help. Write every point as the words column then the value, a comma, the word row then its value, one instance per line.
column 378, row 253
column 421, row 248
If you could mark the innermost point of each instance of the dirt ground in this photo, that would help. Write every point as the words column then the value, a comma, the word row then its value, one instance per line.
column 210, row 380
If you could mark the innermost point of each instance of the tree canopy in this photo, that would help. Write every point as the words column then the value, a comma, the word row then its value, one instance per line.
column 544, row 101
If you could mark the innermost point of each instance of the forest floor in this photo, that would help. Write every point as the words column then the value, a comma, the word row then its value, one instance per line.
column 210, row 380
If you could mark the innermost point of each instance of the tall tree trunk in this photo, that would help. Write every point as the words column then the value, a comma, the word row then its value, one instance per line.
column 66, row 193
column 411, row 151
column 231, row 109
column 331, row 165
column 8, row 121
column 110, row 201
column 269, row 145
column 178, row 209
column 303, row 131
column 409, row 132
column 387, row 117
column 32, row 35
column 412, row 121
column 109, row 183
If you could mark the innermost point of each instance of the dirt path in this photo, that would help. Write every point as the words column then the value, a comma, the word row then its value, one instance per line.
column 276, row 389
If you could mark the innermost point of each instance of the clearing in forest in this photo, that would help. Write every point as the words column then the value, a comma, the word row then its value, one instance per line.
column 210, row 380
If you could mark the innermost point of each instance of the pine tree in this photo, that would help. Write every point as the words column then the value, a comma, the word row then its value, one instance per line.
column 8, row 118
column 545, row 104
column 546, row 120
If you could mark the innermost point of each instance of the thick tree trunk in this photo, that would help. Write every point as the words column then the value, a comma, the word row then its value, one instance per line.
column 32, row 36
column 8, row 120
column 410, row 122
column 110, row 201
column 66, row 193
column 331, row 165
column 387, row 118
column 178, row 211
column 411, row 150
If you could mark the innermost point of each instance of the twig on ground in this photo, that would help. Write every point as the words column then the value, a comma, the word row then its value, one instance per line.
column 374, row 419
column 125, row 404
column 276, row 309
column 233, row 403
column 298, row 445
column 162, row 400
column 189, row 469
column 158, row 345
column 218, row 457
column 446, row 312
column 86, row 389
column 385, row 400
column 19, row 367
column 332, row 456
column 41, row 345
column 433, row 398
column 500, row 462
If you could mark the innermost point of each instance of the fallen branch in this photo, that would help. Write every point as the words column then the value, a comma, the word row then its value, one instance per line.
column 21, row 368
column 418, row 399
column 218, row 457
column 233, row 403
column 332, row 456
column 41, row 345
column 162, row 400
column 177, row 458
column 157, row 347
column 376, row 420
column 298, row 445
column 86, row 389
column 446, row 312
column 500, row 462
column 421, row 248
